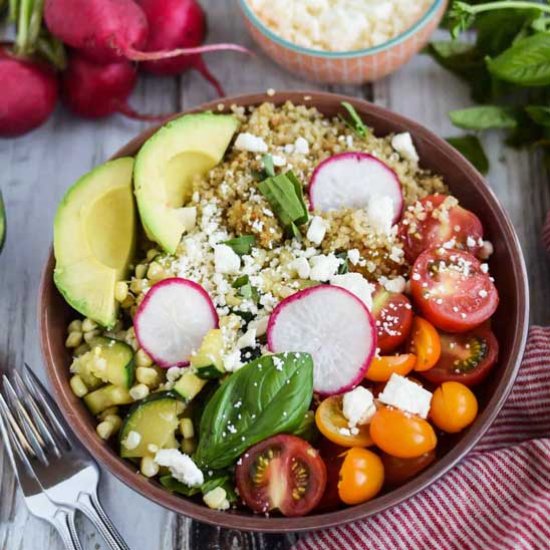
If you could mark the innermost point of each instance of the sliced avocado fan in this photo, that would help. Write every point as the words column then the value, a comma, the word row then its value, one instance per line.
column 94, row 239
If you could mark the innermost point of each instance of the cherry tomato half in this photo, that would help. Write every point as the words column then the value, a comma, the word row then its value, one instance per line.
column 466, row 357
column 452, row 290
column 334, row 425
column 424, row 343
column 282, row 472
column 436, row 220
column 383, row 367
column 453, row 407
column 401, row 435
column 399, row 470
column 393, row 314
column 361, row 476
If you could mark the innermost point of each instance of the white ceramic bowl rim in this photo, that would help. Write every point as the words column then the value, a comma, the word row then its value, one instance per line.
column 432, row 10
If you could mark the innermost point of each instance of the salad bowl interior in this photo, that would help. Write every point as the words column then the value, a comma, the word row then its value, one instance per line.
column 510, row 324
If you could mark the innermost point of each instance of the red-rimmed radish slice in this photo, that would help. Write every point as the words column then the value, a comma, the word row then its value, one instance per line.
column 352, row 180
column 173, row 319
column 331, row 324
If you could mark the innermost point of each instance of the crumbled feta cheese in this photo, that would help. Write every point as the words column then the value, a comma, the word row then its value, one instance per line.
column 323, row 267
column 406, row 395
column 289, row 148
column 404, row 145
column 232, row 361
column 380, row 213
column 486, row 250
column 357, row 285
column 132, row 440
column 354, row 256
column 358, row 406
column 248, row 339
column 301, row 146
column 278, row 160
column 317, row 230
column 173, row 373
column 250, row 142
column 226, row 260
column 301, row 267
column 259, row 325
column 398, row 284
column 396, row 254
column 181, row 467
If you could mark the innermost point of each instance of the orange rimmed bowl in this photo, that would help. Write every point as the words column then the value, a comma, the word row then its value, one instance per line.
column 351, row 67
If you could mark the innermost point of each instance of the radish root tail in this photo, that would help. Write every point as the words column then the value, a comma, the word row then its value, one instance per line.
column 127, row 111
column 136, row 55
column 200, row 67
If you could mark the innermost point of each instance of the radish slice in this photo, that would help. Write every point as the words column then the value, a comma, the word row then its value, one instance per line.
column 331, row 324
column 172, row 321
column 352, row 180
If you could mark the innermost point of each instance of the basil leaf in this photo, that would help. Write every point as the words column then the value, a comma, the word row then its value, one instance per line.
column 343, row 268
column 241, row 245
column 471, row 148
column 540, row 114
column 265, row 397
column 526, row 63
column 246, row 290
column 217, row 479
column 308, row 429
column 355, row 122
column 176, row 486
column 484, row 117
column 269, row 167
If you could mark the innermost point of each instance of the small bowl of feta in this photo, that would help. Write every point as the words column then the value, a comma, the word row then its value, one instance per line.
column 342, row 41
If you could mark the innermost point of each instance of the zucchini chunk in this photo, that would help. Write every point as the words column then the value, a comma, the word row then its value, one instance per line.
column 119, row 361
column 107, row 396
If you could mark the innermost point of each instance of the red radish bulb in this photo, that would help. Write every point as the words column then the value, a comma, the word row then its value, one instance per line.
column 28, row 97
column 110, row 30
column 95, row 91
column 176, row 24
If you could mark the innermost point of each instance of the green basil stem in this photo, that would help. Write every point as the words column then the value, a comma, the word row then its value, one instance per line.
column 480, row 8
column 13, row 10
column 35, row 23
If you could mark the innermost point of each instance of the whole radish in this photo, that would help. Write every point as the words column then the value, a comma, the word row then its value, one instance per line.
column 28, row 97
column 110, row 30
column 94, row 91
column 176, row 24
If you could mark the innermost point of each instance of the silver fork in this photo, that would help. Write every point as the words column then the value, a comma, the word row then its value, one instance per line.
column 66, row 471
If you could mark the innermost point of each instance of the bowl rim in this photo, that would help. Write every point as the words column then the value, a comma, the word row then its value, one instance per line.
column 152, row 490
column 349, row 54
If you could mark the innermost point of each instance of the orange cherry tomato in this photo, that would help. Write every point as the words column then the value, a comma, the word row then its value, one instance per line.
column 334, row 425
column 400, row 434
column 453, row 407
column 361, row 476
column 399, row 470
column 383, row 367
column 425, row 344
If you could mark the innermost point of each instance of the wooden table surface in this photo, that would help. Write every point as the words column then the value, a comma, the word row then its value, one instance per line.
column 36, row 170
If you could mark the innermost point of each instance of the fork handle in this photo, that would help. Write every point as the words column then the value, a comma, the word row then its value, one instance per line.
column 63, row 521
column 89, row 505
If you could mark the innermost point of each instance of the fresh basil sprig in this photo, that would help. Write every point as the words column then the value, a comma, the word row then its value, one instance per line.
column 483, row 117
column 471, row 148
column 246, row 290
column 266, row 397
column 217, row 479
column 355, row 122
column 242, row 245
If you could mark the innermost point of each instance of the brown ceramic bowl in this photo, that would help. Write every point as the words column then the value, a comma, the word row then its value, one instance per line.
column 510, row 326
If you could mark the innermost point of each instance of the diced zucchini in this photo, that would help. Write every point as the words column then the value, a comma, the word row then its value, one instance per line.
column 81, row 366
column 189, row 385
column 155, row 419
column 107, row 396
column 117, row 361
column 208, row 361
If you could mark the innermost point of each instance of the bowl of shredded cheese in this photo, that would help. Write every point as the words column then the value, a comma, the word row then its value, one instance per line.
column 342, row 41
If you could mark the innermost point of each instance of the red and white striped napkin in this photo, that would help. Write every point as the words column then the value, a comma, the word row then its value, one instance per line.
column 497, row 498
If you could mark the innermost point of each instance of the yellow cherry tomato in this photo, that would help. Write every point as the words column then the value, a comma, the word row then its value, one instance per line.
column 334, row 425
column 400, row 434
column 361, row 476
column 425, row 344
column 453, row 407
column 383, row 367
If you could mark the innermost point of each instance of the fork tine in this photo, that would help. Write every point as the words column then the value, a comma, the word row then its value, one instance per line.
column 14, row 439
column 50, row 409
column 42, row 425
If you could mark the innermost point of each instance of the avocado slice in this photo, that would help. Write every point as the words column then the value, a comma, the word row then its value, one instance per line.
column 166, row 166
column 94, row 239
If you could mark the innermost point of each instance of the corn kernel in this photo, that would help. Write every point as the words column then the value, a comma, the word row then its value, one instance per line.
column 121, row 291
column 105, row 429
column 78, row 386
column 107, row 412
column 147, row 376
column 88, row 325
column 186, row 428
column 141, row 269
column 152, row 254
column 148, row 467
column 155, row 272
column 115, row 421
column 139, row 391
column 142, row 359
column 188, row 446
column 75, row 326
column 216, row 499
column 81, row 350
column 128, row 302
column 73, row 340
column 138, row 285
column 89, row 336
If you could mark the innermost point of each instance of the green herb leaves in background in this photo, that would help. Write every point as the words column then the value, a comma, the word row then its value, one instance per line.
column 471, row 148
column 268, row 396
column 354, row 122
column 507, row 69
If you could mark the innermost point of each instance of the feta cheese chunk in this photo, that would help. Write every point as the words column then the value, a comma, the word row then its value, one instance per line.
column 181, row 467
column 323, row 267
column 398, row 284
column 248, row 339
column 133, row 439
column 302, row 267
column 358, row 406
column 380, row 213
column 226, row 261
column 250, row 142
column 317, row 230
column 278, row 160
column 301, row 146
column 259, row 325
column 357, row 285
column 232, row 361
column 408, row 396
column 404, row 145
column 354, row 256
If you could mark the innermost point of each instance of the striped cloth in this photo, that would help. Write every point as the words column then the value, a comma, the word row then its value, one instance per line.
column 497, row 498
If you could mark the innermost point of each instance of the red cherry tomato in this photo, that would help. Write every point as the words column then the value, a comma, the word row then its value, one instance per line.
column 466, row 358
column 333, row 456
column 400, row 470
column 435, row 220
column 452, row 290
column 393, row 314
column 282, row 473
